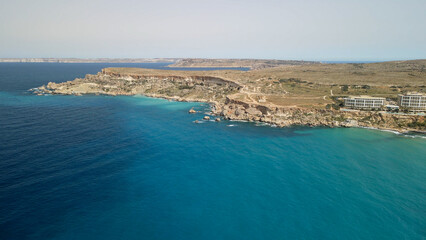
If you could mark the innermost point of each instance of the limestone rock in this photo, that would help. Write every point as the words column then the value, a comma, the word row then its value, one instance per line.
column 350, row 123
column 253, row 111
column 51, row 85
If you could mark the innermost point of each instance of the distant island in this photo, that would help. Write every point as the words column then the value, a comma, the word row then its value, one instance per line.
column 174, row 62
column 89, row 60
column 283, row 93
column 236, row 63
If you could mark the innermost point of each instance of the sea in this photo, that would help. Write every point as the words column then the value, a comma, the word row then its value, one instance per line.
column 133, row 167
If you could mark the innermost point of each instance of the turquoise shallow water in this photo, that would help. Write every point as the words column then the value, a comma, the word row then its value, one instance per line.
column 97, row 167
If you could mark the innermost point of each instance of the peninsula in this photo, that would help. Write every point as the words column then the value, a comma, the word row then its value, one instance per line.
column 296, row 93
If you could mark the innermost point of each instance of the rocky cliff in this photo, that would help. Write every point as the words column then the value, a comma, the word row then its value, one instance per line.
column 179, row 87
column 290, row 116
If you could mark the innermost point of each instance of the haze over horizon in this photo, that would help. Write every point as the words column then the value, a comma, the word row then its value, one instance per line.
column 301, row 30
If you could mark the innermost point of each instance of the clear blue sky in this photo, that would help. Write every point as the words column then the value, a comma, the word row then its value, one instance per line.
column 279, row 29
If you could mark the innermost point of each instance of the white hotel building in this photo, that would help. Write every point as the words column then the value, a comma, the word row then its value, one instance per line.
column 412, row 101
column 364, row 102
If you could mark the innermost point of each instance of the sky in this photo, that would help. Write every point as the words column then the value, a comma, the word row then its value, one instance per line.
column 365, row 30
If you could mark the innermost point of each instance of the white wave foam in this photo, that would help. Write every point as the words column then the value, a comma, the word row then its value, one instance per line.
column 412, row 135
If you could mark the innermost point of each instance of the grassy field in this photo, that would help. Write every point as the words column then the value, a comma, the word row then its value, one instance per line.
column 385, row 73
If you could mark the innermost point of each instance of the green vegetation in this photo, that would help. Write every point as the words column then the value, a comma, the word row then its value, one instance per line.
column 339, row 118
column 181, row 87
column 294, row 80
column 332, row 106
column 419, row 125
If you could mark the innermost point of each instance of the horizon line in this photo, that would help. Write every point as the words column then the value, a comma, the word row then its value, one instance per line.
column 178, row 58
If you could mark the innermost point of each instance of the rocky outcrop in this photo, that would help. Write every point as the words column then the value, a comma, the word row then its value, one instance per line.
column 179, row 88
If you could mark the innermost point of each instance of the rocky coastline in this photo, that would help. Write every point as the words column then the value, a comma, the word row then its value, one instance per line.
column 295, row 116
column 220, row 93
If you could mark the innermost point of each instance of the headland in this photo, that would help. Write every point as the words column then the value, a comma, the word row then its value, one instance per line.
column 295, row 93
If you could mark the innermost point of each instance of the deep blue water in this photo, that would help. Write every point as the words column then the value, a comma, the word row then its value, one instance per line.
column 98, row 167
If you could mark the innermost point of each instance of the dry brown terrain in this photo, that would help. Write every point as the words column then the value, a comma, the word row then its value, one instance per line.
column 411, row 72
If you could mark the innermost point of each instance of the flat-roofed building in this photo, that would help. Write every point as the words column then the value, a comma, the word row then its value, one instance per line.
column 412, row 101
column 364, row 102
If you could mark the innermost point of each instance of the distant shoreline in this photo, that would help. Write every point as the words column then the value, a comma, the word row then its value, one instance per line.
column 175, row 60
column 88, row 60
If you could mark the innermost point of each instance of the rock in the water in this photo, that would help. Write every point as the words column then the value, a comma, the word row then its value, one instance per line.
column 206, row 118
column 217, row 119
column 196, row 121
column 192, row 111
